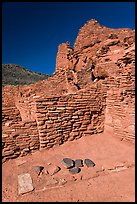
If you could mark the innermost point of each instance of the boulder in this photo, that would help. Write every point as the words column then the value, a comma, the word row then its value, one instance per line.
column 74, row 170
column 78, row 162
column 89, row 163
column 68, row 163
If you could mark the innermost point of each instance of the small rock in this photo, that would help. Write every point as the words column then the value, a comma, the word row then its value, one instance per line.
column 46, row 172
column 53, row 169
column 89, row 163
column 38, row 169
column 68, row 162
column 78, row 163
column 62, row 181
column 57, row 169
column 26, row 149
column 52, row 182
column 74, row 170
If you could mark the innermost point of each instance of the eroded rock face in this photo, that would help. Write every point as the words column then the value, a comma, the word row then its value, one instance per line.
column 96, row 52
column 92, row 90
column 106, row 55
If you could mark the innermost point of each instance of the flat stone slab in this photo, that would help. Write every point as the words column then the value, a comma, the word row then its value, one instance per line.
column 74, row 170
column 89, row 163
column 78, row 162
column 24, row 183
column 68, row 163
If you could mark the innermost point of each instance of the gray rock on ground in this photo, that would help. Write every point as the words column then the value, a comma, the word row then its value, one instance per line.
column 67, row 162
column 38, row 169
column 78, row 162
column 89, row 163
column 74, row 170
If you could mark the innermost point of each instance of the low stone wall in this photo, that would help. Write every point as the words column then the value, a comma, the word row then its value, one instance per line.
column 120, row 105
column 69, row 117
column 10, row 115
column 120, row 114
column 18, row 139
column 58, row 119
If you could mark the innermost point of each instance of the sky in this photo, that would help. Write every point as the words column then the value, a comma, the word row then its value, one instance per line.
column 32, row 31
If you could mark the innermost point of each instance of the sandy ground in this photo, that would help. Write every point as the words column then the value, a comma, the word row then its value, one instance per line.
column 112, row 179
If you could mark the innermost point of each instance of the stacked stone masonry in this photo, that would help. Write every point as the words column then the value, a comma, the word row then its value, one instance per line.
column 92, row 90
column 71, row 116
column 57, row 119
column 20, row 138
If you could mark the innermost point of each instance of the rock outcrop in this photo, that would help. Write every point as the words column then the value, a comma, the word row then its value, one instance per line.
column 92, row 90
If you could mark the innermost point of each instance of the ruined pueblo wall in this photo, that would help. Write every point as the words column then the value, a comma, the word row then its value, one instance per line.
column 107, row 55
column 63, row 56
column 19, row 139
column 92, row 90
column 70, row 116
column 57, row 119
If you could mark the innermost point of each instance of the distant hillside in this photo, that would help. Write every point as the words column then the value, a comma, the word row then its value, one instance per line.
column 13, row 74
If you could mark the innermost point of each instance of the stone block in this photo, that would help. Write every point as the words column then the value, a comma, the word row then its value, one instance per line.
column 74, row 134
column 40, row 123
column 86, row 122
column 7, row 153
column 25, row 183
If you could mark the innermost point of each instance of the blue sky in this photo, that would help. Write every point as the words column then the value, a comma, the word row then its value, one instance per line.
column 32, row 31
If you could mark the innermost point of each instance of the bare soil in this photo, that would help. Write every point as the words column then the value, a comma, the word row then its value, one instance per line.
column 112, row 179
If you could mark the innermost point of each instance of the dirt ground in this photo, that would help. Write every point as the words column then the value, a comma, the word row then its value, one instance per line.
column 112, row 179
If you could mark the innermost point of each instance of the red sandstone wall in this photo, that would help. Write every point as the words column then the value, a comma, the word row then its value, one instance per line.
column 120, row 114
column 63, row 56
column 68, row 117
column 10, row 115
column 58, row 119
column 106, row 54
column 18, row 139
column 120, row 111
